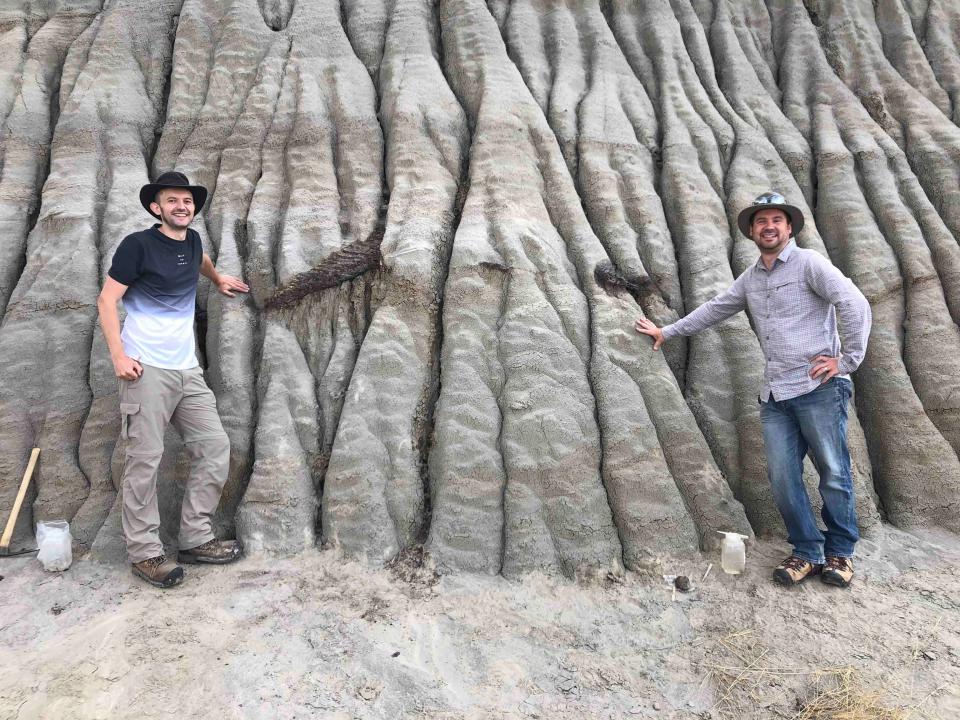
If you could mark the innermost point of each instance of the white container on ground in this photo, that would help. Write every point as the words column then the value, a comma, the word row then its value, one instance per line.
column 733, row 553
column 55, row 545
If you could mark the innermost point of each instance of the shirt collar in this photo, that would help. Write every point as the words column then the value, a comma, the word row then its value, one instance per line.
column 784, row 255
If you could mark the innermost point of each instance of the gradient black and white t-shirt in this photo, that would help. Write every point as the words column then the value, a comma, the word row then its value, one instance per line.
column 161, row 274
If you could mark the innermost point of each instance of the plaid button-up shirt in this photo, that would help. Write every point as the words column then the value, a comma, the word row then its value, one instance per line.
column 794, row 307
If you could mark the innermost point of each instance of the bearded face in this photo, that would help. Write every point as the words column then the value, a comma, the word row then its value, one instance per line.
column 770, row 230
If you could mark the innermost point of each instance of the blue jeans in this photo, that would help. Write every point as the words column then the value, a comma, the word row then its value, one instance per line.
column 816, row 421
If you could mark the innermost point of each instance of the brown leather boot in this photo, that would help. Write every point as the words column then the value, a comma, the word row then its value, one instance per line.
column 158, row 571
column 837, row 571
column 215, row 552
column 794, row 570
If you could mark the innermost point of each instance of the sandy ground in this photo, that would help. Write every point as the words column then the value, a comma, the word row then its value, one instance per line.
column 313, row 636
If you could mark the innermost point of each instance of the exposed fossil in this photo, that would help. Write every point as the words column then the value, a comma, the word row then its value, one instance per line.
column 450, row 213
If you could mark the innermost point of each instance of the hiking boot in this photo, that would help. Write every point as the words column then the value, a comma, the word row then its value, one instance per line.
column 215, row 552
column 838, row 571
column 794, row 570
column 158, row 571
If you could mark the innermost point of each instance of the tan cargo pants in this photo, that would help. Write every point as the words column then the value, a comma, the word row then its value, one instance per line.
column 147, row 405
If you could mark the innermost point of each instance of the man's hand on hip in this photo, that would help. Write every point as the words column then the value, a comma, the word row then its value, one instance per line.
column 825, row 367
column 228, row 284
column 127, row 368
column 642, row 325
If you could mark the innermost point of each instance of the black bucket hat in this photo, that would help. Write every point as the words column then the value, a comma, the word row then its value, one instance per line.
column 770, row 201
column 148, row 193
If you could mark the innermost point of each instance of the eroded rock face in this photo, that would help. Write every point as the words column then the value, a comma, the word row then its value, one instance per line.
column 450, row 213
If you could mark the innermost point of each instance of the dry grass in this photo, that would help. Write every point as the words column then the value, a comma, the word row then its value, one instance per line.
column 840, row 695
column 751, row 687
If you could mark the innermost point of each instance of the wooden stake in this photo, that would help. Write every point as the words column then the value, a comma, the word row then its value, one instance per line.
column 15, row 513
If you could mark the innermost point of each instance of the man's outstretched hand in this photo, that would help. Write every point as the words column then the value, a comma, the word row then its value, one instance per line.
column 825, row 367
column 642, row 325
column 228, row 284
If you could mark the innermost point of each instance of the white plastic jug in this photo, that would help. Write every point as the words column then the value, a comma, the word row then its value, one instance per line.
column 733, row 553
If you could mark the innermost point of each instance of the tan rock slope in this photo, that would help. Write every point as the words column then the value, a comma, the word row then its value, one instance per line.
column 450, row 213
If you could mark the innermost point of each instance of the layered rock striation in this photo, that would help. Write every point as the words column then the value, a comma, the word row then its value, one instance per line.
column 450, row 213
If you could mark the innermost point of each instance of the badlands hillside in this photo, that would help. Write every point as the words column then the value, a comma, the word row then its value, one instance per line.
column 450, row 213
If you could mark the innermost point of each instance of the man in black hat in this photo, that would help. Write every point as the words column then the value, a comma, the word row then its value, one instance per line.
column 155, row 271
column 794, row 296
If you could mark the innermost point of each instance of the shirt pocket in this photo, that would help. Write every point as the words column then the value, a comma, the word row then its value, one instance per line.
column 785, row 297
column 127, row 410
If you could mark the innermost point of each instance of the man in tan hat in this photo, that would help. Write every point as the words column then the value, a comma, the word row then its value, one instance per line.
column 794, row 296
column 155, row 271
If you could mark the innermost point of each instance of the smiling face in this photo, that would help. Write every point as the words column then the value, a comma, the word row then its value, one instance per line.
column 175, row 208
column 770, row 230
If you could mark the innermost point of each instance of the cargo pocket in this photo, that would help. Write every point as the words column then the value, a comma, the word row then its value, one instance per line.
column 126, row 410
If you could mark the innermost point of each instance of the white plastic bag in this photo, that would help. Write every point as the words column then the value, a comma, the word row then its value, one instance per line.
column 54, row 542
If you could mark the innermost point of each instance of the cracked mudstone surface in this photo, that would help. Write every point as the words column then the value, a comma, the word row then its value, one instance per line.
column 450, row 213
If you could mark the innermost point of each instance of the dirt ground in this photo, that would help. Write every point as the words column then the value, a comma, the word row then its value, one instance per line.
column 313, row 636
